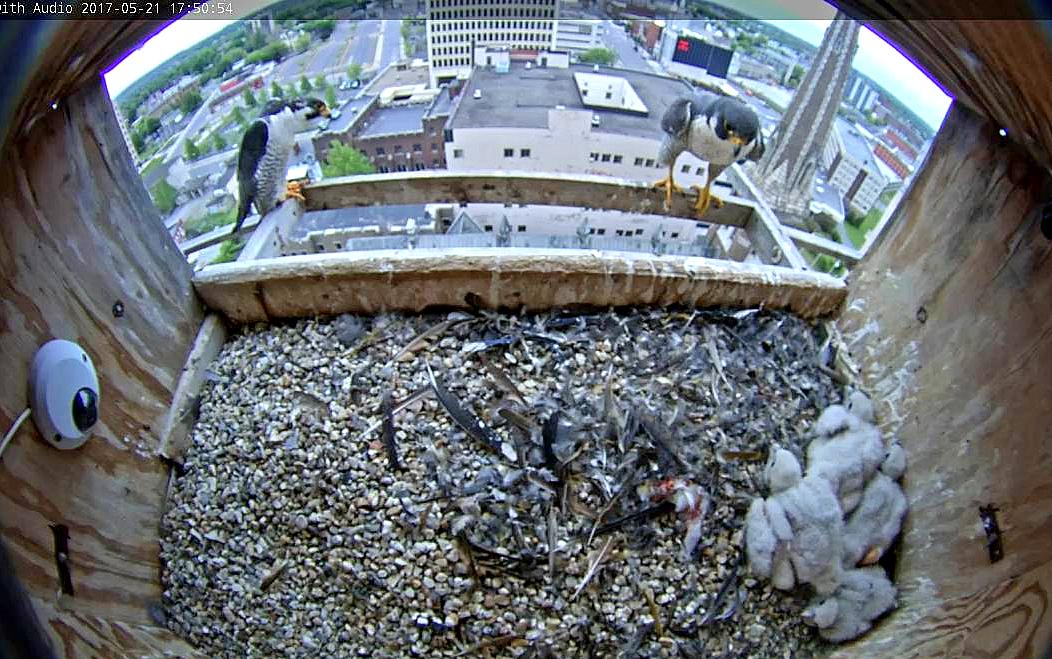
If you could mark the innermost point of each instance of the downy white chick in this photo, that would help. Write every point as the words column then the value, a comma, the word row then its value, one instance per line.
column 862, row 597
column 795, row 534
column 846, row 450
column 874, row 524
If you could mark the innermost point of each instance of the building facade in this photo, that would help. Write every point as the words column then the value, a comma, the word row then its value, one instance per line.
column 577, row 35
column 852, row 169
column 396, row 136
column 787, row 170
column 456, row 27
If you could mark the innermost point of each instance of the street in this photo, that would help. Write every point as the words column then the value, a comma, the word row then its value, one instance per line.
column 617, row 40
column 332, row 51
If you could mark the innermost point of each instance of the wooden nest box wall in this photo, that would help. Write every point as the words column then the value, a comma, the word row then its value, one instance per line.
column 944, row 319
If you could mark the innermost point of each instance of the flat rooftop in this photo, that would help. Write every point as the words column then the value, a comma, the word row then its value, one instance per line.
column 855, row 144
column 394, row 121
column 348, row 113
column 522, row 98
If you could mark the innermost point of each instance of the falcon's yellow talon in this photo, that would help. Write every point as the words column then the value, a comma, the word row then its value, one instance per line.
column 668, row 185
column 705, row 199
column 294, row 190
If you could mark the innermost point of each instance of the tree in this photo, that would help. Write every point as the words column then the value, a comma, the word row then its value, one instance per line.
column 163, row 196
column 354, row 71
column 290, row 91
column 344, row 160
column 319, row 82
column 218, row 143
column 330, row 96
column 190, row 150
column 322, row 29
column 276, row 91
column 302, row 43
column 150, row 125
column 603, row 56
column 191, row 102
column 237, row 115
column 305, row 85
column 138, row 141
column 796, row 76
column 249, row 98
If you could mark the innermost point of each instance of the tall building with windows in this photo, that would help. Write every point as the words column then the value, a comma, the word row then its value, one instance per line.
column 456, row 27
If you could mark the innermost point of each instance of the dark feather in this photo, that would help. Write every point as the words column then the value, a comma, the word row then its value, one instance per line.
column 387, row 408
column 470, row 423
column 253, row 146
column 677, row 118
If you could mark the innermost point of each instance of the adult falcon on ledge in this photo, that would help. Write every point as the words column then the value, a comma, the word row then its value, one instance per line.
column 717, row 129
column 264, row 155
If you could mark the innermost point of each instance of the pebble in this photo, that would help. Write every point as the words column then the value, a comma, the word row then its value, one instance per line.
column 370, row 570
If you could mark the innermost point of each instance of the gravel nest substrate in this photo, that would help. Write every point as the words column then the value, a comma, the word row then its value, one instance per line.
column 535, row 527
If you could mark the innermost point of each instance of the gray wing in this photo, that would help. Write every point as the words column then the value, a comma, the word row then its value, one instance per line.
column 675, row 123
column 253, row 146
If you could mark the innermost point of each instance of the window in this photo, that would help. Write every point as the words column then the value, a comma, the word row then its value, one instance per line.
column 617, row 158
column 379, row 151
column 524, row 153
column 508, row 153
column 685, row 169
column 650, row 162
column 417, row 147
column 601, row 232
column 621, row 232
column 609, row 95
column 698, row 171
column 606, row 157
column 458, row 153
column 398, row 148
column 675, row 234
column 638, row 162
column 522, row 228
column 434, row 147
column 591, row 231
column 639, row 232
column 593, row 156
column 488, row 227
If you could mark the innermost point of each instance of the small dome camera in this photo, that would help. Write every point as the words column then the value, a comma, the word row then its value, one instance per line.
column 64, row 393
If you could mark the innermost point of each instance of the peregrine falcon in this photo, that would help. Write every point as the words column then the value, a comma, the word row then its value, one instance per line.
column 264, row 155
column 717, row 129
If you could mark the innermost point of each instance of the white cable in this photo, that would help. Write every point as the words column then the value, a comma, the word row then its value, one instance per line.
column 14, row 428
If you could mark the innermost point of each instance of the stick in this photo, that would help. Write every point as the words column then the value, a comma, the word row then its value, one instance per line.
column 593, row 568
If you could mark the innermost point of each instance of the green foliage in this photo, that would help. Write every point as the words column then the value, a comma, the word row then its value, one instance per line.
column 238, row 116
column 321, row 29
column 163, row 196
column 344, row 160
column 749, row 43
column 319, row 82
column 854, row 218
column 202, row 225
column 218, row 142
column 229, row 251
column 151, row 167
column 301, row 43
column 249, row 98
column 305, row 85
column 272, row 52
column 191, row 101
column 858, row 232
column 276, row 91
column 354, row 71
column 190, row 150
column 796, row 76
column 603, row 56
column 330, row 96
column 150, row 125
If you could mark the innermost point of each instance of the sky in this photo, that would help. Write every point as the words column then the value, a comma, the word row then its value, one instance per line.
column 885, row 65
column 876, row 58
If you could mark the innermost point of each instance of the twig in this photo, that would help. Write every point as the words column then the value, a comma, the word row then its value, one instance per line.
column 593, row 568
column 275, row 572
column 655, row 612
column 389, row 431
column 649, row 512
column 553, row 530
column 417, row 395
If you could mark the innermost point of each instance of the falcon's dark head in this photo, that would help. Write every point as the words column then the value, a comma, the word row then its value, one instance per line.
column 313, row 106
column 736, row 121
column 676, row 120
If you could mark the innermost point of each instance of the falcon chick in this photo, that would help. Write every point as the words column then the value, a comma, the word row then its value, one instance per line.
column 718, row 129
column 264, row 155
